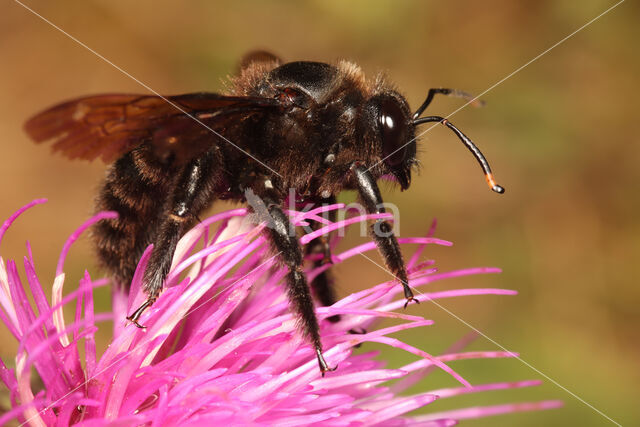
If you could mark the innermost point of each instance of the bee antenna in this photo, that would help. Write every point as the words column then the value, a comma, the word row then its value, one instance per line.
column 469, row 144
column 473, row 100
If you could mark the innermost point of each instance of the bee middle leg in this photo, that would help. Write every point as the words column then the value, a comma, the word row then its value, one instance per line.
column 282, row 237
column 192, row 193
column 323, row 284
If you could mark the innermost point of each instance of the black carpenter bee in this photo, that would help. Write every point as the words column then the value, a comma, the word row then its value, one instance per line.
column 308, row 127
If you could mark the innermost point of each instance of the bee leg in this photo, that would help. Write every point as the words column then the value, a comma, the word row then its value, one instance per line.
column 283, row 238
column 133, row 318
column 381, row 230
column 192, row 193
column 322, row 284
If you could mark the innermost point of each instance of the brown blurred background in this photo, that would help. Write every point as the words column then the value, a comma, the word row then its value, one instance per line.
column 560, row 135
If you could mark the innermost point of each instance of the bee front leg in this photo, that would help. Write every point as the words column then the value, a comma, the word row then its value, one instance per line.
column 192, row 193
column 381, row 230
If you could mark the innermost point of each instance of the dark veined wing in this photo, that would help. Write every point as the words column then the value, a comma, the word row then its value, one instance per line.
column 107, row 126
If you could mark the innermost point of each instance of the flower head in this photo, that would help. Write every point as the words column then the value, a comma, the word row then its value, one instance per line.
column 220, row 344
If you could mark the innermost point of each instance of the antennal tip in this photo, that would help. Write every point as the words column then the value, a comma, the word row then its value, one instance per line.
column 492, row 184
column 498, row 189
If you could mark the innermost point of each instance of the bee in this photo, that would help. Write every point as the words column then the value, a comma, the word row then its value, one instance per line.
column 308, row 127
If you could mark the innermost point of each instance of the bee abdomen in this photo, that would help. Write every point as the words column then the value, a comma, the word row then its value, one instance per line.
column 139, row 202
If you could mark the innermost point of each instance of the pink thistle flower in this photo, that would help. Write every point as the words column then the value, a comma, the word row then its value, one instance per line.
column 221, row 346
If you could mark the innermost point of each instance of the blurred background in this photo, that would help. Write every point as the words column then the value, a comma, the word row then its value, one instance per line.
column 560, row 135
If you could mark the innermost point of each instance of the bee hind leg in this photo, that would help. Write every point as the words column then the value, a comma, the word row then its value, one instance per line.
column 192, row 193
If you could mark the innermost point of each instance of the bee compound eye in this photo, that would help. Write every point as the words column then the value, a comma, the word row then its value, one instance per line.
column 391, row 121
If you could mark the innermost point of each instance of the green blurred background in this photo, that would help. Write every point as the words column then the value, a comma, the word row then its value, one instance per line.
column 560, row 135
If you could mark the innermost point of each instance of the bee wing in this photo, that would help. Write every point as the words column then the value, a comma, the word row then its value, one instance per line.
column 110, row 125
